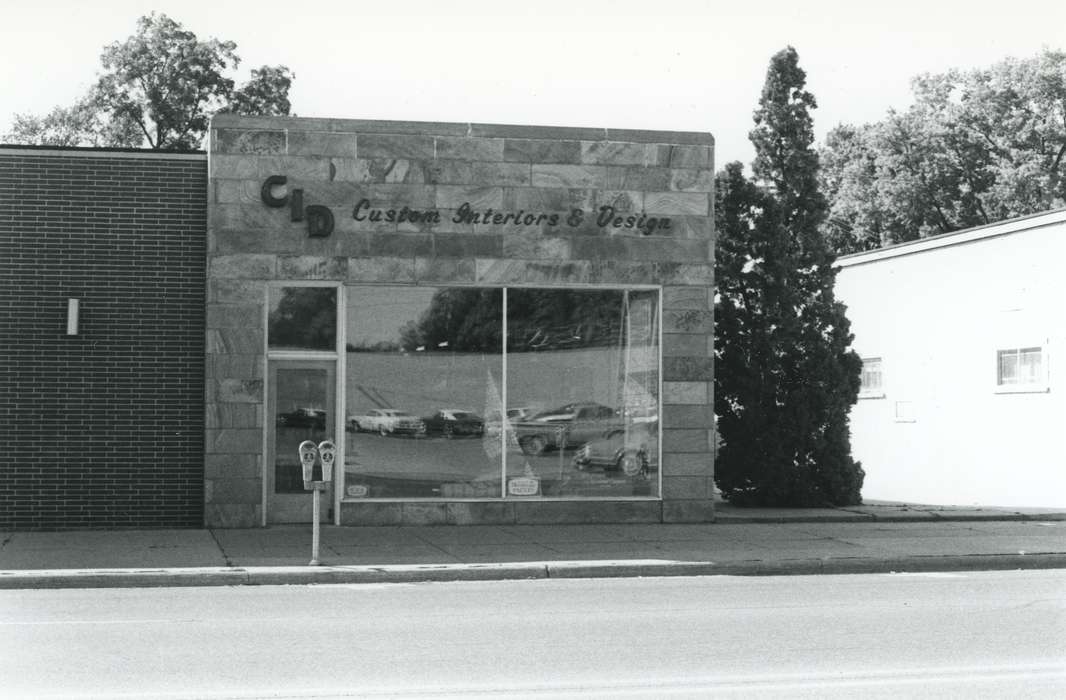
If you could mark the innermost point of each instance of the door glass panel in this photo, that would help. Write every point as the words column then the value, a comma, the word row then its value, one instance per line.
column 302, row 318
column 423, row 385
column 301, row 414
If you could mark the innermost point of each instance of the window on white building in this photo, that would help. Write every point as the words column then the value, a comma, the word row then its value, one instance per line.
column 871, row 380
column 1021, row 369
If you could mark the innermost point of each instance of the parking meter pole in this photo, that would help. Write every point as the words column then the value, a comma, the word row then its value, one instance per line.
column 314, row 528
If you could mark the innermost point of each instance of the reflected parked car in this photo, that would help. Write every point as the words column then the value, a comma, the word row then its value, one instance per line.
column 314, row 418
column 387, row 421
column 634, row 452
column 494, row 425
column 451, row 422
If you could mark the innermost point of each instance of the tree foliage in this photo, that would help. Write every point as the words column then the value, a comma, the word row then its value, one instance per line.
column 976, row 147
column 784, row 376
column 158, row 88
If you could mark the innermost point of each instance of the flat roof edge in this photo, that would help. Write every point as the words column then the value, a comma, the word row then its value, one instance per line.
column 472, row 129
column 944, row 240
column 98, row 152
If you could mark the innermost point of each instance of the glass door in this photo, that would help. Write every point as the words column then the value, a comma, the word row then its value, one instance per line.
column 301, row 406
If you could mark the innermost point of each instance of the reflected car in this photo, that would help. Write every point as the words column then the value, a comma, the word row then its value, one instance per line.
column 634, row 452
column 451, row 422
column 494, row 425
column 386, row 421
column 314, row 418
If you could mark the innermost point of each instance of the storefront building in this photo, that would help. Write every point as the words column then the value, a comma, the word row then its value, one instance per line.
column 494, row 324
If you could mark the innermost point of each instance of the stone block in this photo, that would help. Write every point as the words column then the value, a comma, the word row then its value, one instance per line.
column 369, row 126
column 505, row 174
column 231, row 415
column 235, row 366
column 478, row 198
column 655, row 137
column 243, row 266
column 496, row 272
column 688, row 369
column 235, row 291
column 238, row 167
column 571, row 512
column 622, row 201
column 321, row 143
column 234, row 316
column 687, row 488
column 234, row 390
column 425, row 514
column 686, row 274
column 678, row 203
column 235, row 341
column 448, row 270
column 691, row 226
column 255, row 217
column 629, row 245
column 447, row 223
column 304, row 267
column 463, row 245
column 686, row 392
column 232, row 515
column 686, row 344
column 513, row 131
column 333, row 194
column 638, row 178
column 389, row 195
column 688, row 511
column 693, row 416
column 525, row 245
column 538, row 151
column 249, row 141
column 411, row 146
column 246, row 491
column 581, row 176
column 371, row 513
column 699, row 298
column 400, row 245
column 549, row 199
column 469, row 148
column 382, row 269
column 237, row 191
column 231, row 466
column 612, row 153
column 688, row 321
column 686, row 440
column 234, row 441
column 685, row 180
column 299, row 170
column 687, row 464
column 689, row 157
column 622, row 272
column 481, row 513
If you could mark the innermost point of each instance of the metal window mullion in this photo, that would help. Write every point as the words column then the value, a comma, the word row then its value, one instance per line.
column 503, row 400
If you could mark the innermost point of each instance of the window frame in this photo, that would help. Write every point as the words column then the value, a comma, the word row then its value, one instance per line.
column 1042, row 383
column 871, row 393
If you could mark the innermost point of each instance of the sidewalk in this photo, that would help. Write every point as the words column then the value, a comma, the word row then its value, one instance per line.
column 874, row 538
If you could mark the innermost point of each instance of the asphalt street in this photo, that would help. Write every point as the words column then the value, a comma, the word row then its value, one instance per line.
column 965, row 634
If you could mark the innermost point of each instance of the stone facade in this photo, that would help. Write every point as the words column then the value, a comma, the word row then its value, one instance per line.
column 433, row 166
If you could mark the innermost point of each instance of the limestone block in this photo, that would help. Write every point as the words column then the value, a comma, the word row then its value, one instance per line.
column 688, row 511
column 236, row 390
column 232, row 415
column 627, row 244
column 235, row 341
column 549, row 199
column 233, row 166
column 231, row 515
column 515, row 131
column 623, row 272
column 448, row 223
column 688, row 369
column 689, row 226
column 638, row 178
column 223, row 290
column 612, row 153
column 298, row 169
column 253, row 141
column 684, row 344
column 247, row 266
column 691, row 157
column 237, row 192
column 569, row 176
column 233, row 441
column 425, row 514
column 688, row 321
column 414, row 146
column 400, row 245
column 234, row 316
column 686, row 440
column 681, row 203
column 319, row 143
column 464, row 245
column 248, row 217
column 700, row 298
column 305, row 267
column 479, row 198
column 537, row 151
column 686, row 180
column 231, row 466
column 526, row 245
column 481, row 513
column 381, row 269
column 246, row 491
column 687, row 487
column 686, row 274
column 469, row 148
column 655, row 137
column 332, row 194
column 687, row 464
column 444, row 270
column 498, row 272
column 622, row 201
column 235, row 366
column 345, row 223
column 686, row 393
column 389, row 195
column 562, row 512
column 506, row 174
column 371, row 513
column 371, row 126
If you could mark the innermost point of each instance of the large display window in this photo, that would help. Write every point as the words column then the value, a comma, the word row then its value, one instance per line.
column 475, row 393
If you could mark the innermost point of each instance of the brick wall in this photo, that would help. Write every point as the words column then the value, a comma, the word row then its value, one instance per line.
column 104, row 428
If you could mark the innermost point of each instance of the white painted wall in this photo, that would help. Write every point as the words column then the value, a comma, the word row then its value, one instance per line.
column 936, row 312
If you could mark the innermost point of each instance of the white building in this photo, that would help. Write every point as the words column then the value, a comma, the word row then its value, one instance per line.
column 962, row 400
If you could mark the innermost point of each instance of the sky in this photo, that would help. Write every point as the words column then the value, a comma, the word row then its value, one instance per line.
column 677, row 65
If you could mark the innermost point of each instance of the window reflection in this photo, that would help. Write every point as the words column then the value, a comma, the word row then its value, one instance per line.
column 302, row 318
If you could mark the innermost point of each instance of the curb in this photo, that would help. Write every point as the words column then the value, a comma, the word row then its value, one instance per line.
column 304, row 575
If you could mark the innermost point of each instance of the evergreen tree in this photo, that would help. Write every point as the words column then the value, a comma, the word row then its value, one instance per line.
column 784, row 377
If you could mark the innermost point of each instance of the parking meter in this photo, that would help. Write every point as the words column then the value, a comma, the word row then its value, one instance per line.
column 308, row 457
column 327, row 451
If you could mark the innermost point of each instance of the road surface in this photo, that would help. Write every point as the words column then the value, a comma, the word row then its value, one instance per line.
column 985, row 634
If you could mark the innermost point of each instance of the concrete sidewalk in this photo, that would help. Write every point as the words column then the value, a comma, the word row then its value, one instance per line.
column 880, row 537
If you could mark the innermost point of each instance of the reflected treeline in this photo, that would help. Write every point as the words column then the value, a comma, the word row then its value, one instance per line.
column 305, row 318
